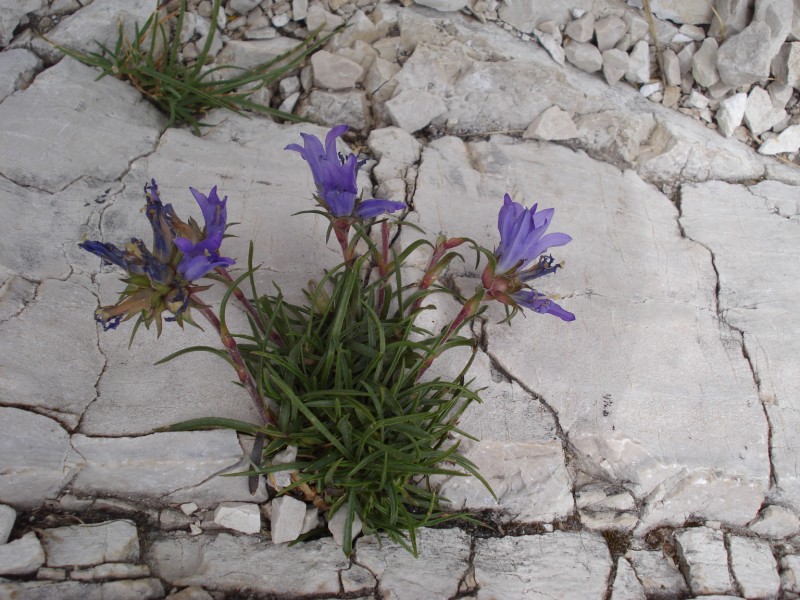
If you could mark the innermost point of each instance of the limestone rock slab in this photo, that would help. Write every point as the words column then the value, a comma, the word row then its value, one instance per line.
column 86, row 545
column 125, row 589
column 626, row 585
column 67, row 125
column 525, row 16
column 35, row 458
column 529, row 479
column 658, row 575
column 61, row 310
column 228, row 563
column 652, row 280
column 776, row 522
column 552, row 565
column 758, row 301
column 161, row 464
column 442, row 563
column 680, row 11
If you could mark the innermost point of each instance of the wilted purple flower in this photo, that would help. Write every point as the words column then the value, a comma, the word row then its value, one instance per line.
column 162, row 279
column 335, row 178
column 522, row 241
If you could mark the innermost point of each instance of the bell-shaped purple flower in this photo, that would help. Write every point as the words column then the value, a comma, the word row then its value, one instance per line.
column 522, row 235
column 335, row 178
column 162, row 279
column 523, row 240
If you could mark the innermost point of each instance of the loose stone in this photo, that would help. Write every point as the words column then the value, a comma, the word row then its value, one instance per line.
column 754, row 567
column 744, row 58
column 731, row 113
column 334, row 72
column 21, row 557
column 336, row 526
column 790, row 573
column 658, row 575
column 639, row 63
column 786, row 65
column 585, row 56
column 787, row 140
column 704, row 63
column 760, row 115
column 192, row 593
column 672, row 67
column 615, row 65
column 84, row 545
column 552, row 44
column 7, row 517
column 581, row 29
column 188, row 508
column 704, row 560
column 239, row 516
column 288, row 516
column 413, row 110
column 553, row 124
column 609, row 32
column 776, row 522
column 111, row 571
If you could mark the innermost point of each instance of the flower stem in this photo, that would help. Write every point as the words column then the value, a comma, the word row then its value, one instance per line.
column 248, row 306
column 265, row 408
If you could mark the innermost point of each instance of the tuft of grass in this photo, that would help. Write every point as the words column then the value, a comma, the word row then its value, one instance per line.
column 151, row 62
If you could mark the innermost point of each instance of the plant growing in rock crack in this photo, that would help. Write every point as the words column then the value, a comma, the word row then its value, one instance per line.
column 349, row 422
column 152, row 63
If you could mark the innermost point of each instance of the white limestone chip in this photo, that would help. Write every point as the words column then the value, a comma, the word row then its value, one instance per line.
column 615, row 65
column 553, row 124
column 639, row 63
column 704, row 560
column 188, row 508
column 334, row 72
column 754, row 567
column 787, row 140
column 286, row 521
column 672, row 67
column 7, row 517
column 759, row 114
column 413, row 110
column 21, row 557
column 704, row 63
column 776, row 522
column 84, row 545
column 584, row 55
column 239, row 516
column 336, row 526
column 280, row 479
column 730, row 113
column 697, row 100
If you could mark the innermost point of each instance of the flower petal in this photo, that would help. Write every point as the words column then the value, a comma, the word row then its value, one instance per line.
column 368, row 209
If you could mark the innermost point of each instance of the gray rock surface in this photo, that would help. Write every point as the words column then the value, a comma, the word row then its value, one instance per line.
column 21, row 557
column 17, row 69
column 658, row 574
column 126, row 589
column 704, row 560
column 626, row 586
column 776, row 522
column 754, row 567
column 583, row 55
column 745, row 57
column 442, row 564
column 525, row 16
column 7, row 517
column 552, row 124
column 85, row 545
column 549, row 565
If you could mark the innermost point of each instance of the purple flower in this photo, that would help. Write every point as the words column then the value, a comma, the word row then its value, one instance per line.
column 522, row 235
column 541, row 304
column 195, row 263
column 162, row 279
column 522, row 241
column 335, row 178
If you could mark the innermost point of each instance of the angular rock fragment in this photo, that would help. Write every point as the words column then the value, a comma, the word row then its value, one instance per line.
column 334, row 72
column 639, row 63
column 615, row 64
column 745, row 57
column 553, row 124
column 21, row 557
column 286, row 521
column 609, row 32
column 85, row 545
column 672, row 67
column 7, row 517
column 787, row 140
column 733, row 17
column 111, row 571
column 581, row 29
column 443, row 5
column 658, row 574
column 759, row 114
column 17, row 69
column 337, row 523
column 552, row 44
column 335, row 108
column 777, row 14
column 704, row 63
column 239, row 516
column 412, row 111
column 626, row 585
column 730, row 113
column 754, row 567
column 776, row 522
column 704, row 560
column 585, row 56
column 786, row 65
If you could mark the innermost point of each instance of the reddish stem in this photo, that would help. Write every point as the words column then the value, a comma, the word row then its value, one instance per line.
column 223, row 272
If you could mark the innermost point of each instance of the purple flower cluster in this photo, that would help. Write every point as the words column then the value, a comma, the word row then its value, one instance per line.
column 161, row 279
column 335, row 178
